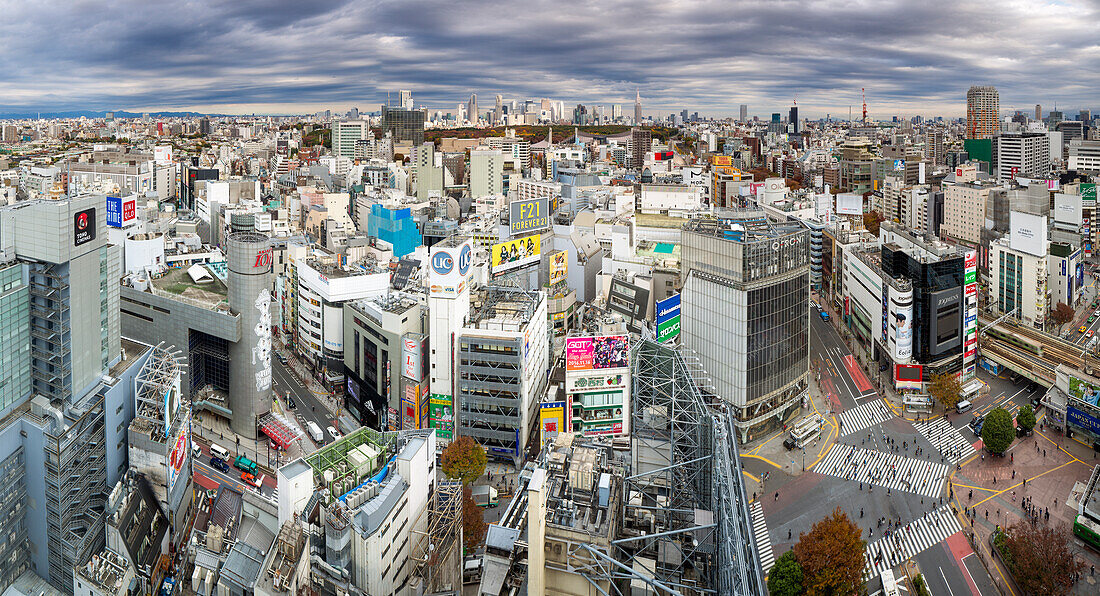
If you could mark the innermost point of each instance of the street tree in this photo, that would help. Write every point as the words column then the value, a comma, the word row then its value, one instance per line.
column 1025, row 418
column 831, row 556
column 1041, row 558
column 946, row 389
column 997, row 430
column 463, row 460
column 785, row 578
column 1062, row 313
column 473, row 522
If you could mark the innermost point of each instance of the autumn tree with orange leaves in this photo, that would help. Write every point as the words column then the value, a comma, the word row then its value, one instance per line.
column 474, row 527
column 831, row 555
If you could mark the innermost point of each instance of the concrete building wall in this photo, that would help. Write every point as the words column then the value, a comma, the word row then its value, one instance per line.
column 249, row 263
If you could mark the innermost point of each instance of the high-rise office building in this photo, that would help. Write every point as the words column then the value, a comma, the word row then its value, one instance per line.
column 744, row 113
column 637, row 106
column 204, row 126
column 792, row 119
column 745, row 293
column 641, row 139
column 405, row 99
column 616, row 112
column 983, row 108
column 1085, row 116
column 498, row 112
column 345, row 133
column 471, row 109
column 1038, row 112
column 486, row 172
column 1024, row 154
column 403, row 125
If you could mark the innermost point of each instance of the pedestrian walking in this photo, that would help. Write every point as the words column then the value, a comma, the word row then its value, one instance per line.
column 776, row 495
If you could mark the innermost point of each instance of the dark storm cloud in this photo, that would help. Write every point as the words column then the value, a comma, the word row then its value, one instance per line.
column 913, row 57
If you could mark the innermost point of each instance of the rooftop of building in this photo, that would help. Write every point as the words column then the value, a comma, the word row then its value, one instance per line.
column 177, row 282
column 392, row 303
column 583, row 490
column 742, row 225
column 106, row 571
column 242, row 566
column 354, row 269
column 29, row 584
column 503, row 307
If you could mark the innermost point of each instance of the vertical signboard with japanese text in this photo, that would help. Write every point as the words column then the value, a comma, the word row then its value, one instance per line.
column 442, row 415
column 668, row 318
column 970, row 314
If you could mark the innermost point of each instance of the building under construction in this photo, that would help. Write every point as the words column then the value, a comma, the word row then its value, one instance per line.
column 667, row 516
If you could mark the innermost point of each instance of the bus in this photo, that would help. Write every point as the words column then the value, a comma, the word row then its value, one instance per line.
column 1088, row 530
column 244, row 464
column 806, row 430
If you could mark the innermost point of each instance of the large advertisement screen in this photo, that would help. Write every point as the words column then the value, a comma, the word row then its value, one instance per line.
column 529, row 215
column 1028, row 233
column 849, row 204
column 516, row 253
column 970, row 314
column 595, row 353
column 84, row 226
column 909, row 376
column 559, row 266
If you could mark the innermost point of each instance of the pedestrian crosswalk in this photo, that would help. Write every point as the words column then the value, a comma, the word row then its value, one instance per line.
column 864, row 416
column 763, row 540
column 909, row 540
column 887, row 470
column 946, row 439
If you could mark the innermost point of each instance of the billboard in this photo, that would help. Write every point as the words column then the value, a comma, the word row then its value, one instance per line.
column 559, row 266
column 908, row 376
column 1067, row 208
column 595, row 382
column 181, row 450
column 552, row 418
column 442, row 415
column 412, row 356
column 1082, row 419
column 594, row 353
column 903, row 323
column 449, row 268
column 120, row 211
column 517, row 253
column 1088, row 194
column 1028, row 233
column 529, row 215
column 162, row 154
column 84, row 226
column 410, row 406
column 849, row 204
column 668, row 318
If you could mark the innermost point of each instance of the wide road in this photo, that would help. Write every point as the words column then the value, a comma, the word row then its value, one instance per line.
column 307, row 406
column 201, row 465
column 842, row 378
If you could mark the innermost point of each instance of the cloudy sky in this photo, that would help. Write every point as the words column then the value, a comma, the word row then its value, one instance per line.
column 294, row 56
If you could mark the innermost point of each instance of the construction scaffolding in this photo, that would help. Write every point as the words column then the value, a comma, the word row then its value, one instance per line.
column 686, row 525
column 157, row 387
column 437, row 553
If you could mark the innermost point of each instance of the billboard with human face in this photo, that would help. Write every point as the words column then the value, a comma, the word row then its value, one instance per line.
column 596, row 353
column 517, row 253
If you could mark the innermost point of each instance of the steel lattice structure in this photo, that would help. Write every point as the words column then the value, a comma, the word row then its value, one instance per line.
column 684, row 498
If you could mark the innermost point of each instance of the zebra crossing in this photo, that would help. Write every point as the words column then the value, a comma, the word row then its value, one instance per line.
column 763, row 540
column 864, row 416
column 946, row 439
column 911, row 539
column 887, row 470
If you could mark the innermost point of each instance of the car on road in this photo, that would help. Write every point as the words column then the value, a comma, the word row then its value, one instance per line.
column 335, row 434
column 1092, row 318
column 290, row 403
column 976, row 423
column 219, row 464
column 281, row 357
column 1090, row 333
column 790, row 443
column 1082, row 329
column 252, row 479
column 244, row 464
column 315, row 432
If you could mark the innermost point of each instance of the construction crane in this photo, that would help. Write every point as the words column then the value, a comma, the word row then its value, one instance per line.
column 863, row 94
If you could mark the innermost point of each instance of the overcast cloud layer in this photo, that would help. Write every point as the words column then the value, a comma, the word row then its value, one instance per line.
column 291, row 56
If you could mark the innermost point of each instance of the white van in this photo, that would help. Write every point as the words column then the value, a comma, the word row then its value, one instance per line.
column 315, row 432
column 219, row 452
column 963, row 406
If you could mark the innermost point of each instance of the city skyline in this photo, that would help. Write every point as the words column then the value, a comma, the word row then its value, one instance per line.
column 287, row 58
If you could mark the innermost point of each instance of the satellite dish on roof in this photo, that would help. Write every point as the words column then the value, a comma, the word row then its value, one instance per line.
column 453, row 209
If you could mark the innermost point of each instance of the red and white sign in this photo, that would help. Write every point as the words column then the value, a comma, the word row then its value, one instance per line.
column 263, row 259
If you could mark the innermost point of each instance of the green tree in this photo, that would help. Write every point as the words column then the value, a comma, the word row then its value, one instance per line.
column 785, row 578
column 463, row 460
column 1025, row 418
column 945, row 388
column 831, row 556
column 1040, row 558
column 474, row 527
column 872, row 220
column 997, row 430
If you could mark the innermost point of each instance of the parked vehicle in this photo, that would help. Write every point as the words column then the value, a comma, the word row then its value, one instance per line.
column 824, row 316
column 252, row 479
column 315, row 432
column 335, row 434
column 485, row 496
column 219, row 451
